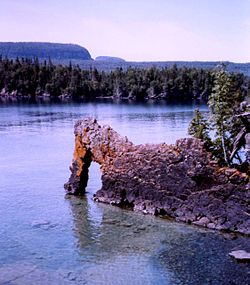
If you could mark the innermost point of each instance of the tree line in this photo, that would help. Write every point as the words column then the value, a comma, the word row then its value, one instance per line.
column 29, row 77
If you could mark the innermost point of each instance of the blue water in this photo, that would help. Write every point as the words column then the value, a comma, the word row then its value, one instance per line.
column 47, row 238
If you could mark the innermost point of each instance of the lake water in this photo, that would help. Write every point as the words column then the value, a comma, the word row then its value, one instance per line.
column 47, row 238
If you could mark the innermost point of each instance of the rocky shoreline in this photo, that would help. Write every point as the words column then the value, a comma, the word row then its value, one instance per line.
column 177, row 181
column 4, row 94
column 42, row 95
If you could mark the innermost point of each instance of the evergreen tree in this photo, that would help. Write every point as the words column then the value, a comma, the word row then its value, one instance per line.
column 199, row 129
column 223, row 102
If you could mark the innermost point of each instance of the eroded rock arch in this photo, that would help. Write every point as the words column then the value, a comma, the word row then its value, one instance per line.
column 179, row 181
column 95, row 143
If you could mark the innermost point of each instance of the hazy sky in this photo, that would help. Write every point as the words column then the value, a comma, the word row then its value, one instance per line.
column 135, row 29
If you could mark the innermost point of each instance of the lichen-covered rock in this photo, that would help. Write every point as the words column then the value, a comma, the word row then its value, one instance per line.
column 179, row 181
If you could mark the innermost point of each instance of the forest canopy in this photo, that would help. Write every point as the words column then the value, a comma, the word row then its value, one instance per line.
column 29, row 77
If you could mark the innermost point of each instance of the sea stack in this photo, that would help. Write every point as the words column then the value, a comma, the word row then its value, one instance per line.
column 178, row 181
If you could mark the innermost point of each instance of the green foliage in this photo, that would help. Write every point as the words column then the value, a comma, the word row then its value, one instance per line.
column 29, row 77
column 223, row 103
column 199, row 129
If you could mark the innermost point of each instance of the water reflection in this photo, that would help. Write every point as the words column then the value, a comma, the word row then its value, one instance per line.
column 178, row 253
column 169, row 122
column 37, row 118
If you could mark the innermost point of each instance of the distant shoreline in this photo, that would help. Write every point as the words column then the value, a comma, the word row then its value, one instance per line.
column 60, row 53
column 31, row 78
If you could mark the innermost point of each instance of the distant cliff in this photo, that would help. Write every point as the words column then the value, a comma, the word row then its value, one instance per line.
column 110, row 59
column 55, row 51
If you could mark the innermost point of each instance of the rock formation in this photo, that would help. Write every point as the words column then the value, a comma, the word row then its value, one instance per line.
column 178, row 181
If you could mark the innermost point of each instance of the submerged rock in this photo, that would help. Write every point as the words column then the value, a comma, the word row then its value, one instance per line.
column 240, row 255
column 178, row 181
column 43, row 224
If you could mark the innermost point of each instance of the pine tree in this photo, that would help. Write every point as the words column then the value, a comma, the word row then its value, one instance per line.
column 223, row 103
column 199, row 129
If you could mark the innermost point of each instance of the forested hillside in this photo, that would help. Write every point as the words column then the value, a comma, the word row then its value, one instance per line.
column 27, row 77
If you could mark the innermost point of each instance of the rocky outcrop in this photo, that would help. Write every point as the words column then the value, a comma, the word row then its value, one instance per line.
column 178, row 181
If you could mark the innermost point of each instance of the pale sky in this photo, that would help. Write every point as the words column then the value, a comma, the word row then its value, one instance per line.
column 136, row 30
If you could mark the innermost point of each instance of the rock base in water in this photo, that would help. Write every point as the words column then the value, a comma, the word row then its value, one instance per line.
column 178, row 181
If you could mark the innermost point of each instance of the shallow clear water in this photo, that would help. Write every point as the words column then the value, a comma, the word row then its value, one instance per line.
column 47, row 238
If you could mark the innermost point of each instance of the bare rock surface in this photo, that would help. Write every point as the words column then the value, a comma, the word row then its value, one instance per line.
column 178, row 181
